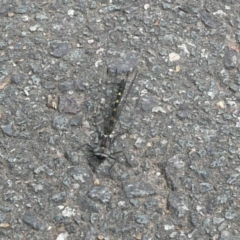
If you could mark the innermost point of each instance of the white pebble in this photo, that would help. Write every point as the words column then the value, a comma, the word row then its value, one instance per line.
column 70, row 12
column 173, row 57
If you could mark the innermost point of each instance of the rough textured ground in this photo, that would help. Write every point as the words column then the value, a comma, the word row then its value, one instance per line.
column 177, row 170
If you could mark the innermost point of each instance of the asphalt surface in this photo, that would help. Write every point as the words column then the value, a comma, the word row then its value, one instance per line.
column 174, row 167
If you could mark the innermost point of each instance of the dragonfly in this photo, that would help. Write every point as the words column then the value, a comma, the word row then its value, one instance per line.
column 105, row 140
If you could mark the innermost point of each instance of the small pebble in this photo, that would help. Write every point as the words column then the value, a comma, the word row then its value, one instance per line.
column 173, row 57
column 25, row 18
column 70, row 12
column 96, row 182
column 146, row 6
column 33, row 28
column 221, row 104
column 10, row 14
